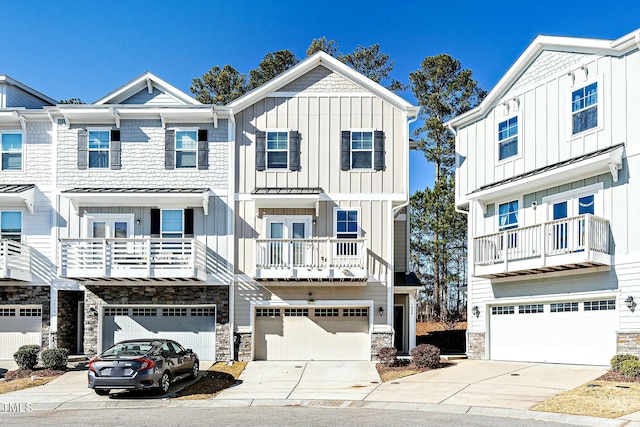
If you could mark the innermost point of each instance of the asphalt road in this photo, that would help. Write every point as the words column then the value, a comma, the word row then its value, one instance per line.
column 253, row 416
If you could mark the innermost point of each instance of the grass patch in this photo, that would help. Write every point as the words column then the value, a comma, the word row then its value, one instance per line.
column 604, row 399
column 22, row 383
column 218, row 377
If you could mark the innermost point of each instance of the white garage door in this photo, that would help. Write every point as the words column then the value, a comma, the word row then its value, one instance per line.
column 576, row 332
column 19, row 325
column 193, row 327
column 312, row 334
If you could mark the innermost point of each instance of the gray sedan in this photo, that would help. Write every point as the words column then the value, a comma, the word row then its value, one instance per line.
column 140, row 365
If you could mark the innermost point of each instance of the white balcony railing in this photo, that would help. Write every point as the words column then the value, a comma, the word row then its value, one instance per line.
column 15, row 260
column 568, row 243
column 145, row 258
column 315, row 258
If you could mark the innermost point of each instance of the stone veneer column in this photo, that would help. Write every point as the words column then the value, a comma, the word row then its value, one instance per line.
column 242, row 346
column 476, row 345
column 628, row 342
column 380, row 340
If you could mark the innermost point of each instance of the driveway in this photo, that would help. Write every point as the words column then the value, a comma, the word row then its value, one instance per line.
column 315, row 380
column 511, row 385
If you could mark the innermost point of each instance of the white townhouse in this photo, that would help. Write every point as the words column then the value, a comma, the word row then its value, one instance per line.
column 321, row 192
column 546, row 169
column 142, row 220
column 27, row 260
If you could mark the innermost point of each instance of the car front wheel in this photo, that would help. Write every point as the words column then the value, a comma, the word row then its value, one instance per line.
column 102, row 391
column 195, row 369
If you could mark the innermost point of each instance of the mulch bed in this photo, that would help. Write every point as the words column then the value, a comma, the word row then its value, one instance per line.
column 212, row 382
column 28, row 373
column 618, row 377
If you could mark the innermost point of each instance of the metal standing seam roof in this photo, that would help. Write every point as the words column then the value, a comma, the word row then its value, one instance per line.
column 549, row 167
column 111, row 190
column 292, row 190
column 15, row 188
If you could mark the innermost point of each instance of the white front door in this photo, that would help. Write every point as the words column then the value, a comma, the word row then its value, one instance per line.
column 109, row 226
column 284, row 231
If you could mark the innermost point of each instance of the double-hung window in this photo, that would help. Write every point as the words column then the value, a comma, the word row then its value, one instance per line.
column 171, row 223
column 584, row 108
column 11, row 150
column 186, row 148
column 277, row 149
column 508, row 138
column 11, row 225
column 98, row 148
column 361, row 149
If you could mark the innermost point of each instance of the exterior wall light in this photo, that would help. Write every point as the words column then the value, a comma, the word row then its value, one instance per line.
column 475, row 311
column 380, row 310
column 629, row 302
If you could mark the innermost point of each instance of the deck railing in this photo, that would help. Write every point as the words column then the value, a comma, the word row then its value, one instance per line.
column 314, row 253
column 14, row 256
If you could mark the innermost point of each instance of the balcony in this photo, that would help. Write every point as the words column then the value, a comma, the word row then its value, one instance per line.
column 311, row 259
column 15, row 261
column 575, row 243
column 132, row 259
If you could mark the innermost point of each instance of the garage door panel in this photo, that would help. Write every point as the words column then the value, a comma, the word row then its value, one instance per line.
column 576, row 337
column 19, row 325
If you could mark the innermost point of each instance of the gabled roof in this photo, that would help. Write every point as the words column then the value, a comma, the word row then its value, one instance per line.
column 147, row 81
column 13, row 82
column 325, row 60
column 540, row 44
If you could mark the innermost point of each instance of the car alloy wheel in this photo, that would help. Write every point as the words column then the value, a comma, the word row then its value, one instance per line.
column 164, row 383
column 195, row 369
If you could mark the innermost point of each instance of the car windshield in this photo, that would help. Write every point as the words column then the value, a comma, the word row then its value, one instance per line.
column 128, row 349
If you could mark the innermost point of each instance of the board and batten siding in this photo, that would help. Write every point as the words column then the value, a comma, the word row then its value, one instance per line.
column 545, row 120
column 320, row 121
column 400, row 245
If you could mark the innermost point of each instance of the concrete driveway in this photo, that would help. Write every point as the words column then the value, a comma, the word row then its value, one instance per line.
column 314, row 380
column 511, row 385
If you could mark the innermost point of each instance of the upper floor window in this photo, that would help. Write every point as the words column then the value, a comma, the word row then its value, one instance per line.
column 171, row 224
column 361, row 150
column 584, row 108
column 347, row 223
column 277, row 149
column 508, row 138
column 98, row 148
column 11, row 225
column 186, row 148
column 508, row 215
column 11, row 151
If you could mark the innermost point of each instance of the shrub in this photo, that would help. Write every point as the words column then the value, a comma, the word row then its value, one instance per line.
column 630, row 368
column 387, row 355
column 27, row 356
column 617, row 360
column 55, row 358
column 426, row 356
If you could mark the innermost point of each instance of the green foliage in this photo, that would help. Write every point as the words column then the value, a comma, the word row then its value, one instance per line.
column 322, row 44
column 27, row 356
column 387, row 355
column 273, row 64
column 71, row 101
column 372, row 63
column 426, row 356
column 630, row 368
column 616, row 361
column 219, row 86
column 55, row 358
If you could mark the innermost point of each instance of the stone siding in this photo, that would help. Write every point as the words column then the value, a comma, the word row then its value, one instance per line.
column 31, row 295
column 242, row 346
column 628, row 342
column 142, row 158
column 68, row 320
column 161, row 294
column 380, row 340
column 476, row 345
column 320, row 79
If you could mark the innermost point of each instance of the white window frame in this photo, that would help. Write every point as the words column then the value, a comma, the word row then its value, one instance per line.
column 21, row 221
column 182, row 150
column 599, row 105
column 520, row 223
column 162, row 232
column 572, row 197
column 519, row 137
column 89, row 150
column 267, row 150
column 20, row 132
column 335, row 220
column 351, row 150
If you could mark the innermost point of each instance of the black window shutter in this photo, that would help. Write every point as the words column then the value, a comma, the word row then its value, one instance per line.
column 261, row 150
column 169, row 148
column 203, row 149
column 115, row 150
column 83, row 140
column 155, row 222
column 294, row 151
column 188, row 222
column 345, row 152
column 378, row 150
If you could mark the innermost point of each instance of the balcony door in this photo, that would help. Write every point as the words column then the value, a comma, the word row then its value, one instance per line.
column 567, row 235
column 109, row 226
column 288, row 246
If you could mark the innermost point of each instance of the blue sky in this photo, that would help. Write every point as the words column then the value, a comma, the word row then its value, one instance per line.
column 85, row 49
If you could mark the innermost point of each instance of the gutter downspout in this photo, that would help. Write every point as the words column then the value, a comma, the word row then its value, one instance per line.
column 231, row 228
